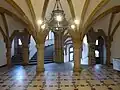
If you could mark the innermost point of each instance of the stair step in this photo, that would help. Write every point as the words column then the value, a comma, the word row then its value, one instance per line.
column 48, row 57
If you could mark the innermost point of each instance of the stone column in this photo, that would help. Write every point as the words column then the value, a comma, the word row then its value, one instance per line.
column 25, row 48
column 25, row 54
column 108, row 52
column 59, row 50
column 91, row 54
column 8, row 54
column 77, row 56
column 40, row 57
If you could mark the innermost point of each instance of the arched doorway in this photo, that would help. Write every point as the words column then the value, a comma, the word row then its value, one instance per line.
column 49, row 47
column 84, row 59
column 16, row 50
column 100, row 50
column 32, row 51
column 68, row 50
column 71, row 54
column 3, row 50
column 20, row 47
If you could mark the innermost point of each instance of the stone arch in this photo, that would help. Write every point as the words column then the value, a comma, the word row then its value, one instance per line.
column 92, row 37
column 4, row 48
column 114, row 10
column 3, row 34
column 20, row 51
column 101, row 47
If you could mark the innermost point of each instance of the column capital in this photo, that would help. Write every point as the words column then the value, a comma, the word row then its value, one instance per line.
column 39, row 46
column 77, row 44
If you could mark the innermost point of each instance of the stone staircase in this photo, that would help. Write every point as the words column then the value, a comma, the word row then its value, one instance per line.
column 17, row 59
column 48, row 55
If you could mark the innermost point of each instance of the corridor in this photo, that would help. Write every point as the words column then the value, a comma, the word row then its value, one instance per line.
column 59, row 77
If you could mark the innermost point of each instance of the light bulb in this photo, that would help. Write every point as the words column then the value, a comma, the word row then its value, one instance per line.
column 59, row 18
column 73, row 26
column 56, row 28
column 43, row 26
column 39, row 22
column 76, row 22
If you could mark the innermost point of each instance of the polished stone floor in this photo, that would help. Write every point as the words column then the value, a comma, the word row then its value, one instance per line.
column 59, row 77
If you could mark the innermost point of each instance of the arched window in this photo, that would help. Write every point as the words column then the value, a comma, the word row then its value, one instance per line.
column 96, row 43
column 19, row 42
column 71, row 49
column 96, row 53
column 85, row 40
column 71, row 54
column 47, row 37
column 50, row 36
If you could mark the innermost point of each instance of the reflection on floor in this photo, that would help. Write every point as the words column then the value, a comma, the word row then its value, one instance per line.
column 91, row 78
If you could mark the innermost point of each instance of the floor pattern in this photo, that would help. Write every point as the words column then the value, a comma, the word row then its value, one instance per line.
column 91, row 78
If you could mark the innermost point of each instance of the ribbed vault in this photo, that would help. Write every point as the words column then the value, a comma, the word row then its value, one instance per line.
column 29, row 11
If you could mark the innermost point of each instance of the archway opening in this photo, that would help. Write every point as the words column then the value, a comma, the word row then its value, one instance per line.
column 100, row 50
column 16, row 50
column 3, row 50
column 68, row 50
column 32, row 50
column 49, row 48
column 84, row 60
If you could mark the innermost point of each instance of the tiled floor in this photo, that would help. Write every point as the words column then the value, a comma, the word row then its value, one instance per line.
column 61, row 78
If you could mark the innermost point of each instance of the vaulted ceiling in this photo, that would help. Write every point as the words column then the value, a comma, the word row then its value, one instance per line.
column 88, row 12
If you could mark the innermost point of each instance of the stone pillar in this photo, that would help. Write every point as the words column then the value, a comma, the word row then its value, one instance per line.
column 8, row 54
column 59, row 50
column 40, row 57
column 25, row 48
column 25, row 54
column 108, row 52
column 91, row 54
column 77, row 56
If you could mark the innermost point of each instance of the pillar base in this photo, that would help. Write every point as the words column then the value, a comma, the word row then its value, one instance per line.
column 39, row 70
column 77, row 69
column 58, row 61
column 9, row 65
column 25, row 64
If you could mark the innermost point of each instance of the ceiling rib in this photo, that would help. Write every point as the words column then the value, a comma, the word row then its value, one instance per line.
column 71, row 8
column 32, row 13
column 46, row 2
column 98, row 7
column 111, row 10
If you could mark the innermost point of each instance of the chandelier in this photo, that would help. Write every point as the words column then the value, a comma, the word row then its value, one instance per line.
column 57, row 21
